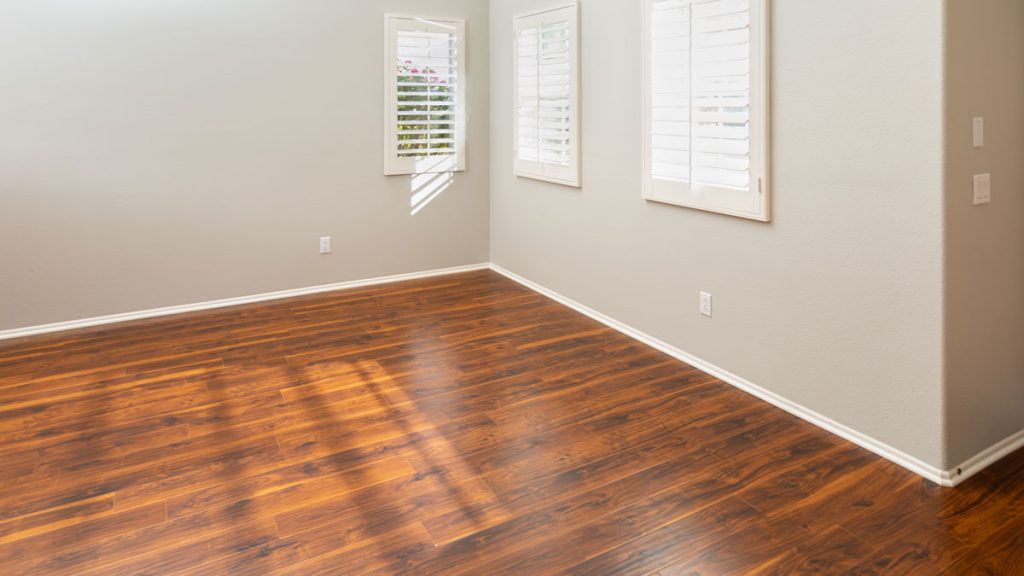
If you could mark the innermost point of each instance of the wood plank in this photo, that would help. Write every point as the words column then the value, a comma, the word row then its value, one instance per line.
column 455, row 425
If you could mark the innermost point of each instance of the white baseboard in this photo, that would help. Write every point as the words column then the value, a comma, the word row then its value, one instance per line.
column 171, row 310
column 988, row 457
column 941, row 477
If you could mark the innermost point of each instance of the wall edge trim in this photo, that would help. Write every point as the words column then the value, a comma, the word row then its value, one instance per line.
column 988, row 457
column 927, row 471
column 228, row 302
column 951, row 477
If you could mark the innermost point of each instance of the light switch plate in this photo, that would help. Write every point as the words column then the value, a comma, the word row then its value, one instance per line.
column 979, row 132
column 982, row 189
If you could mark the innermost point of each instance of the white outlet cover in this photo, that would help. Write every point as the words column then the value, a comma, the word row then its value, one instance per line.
column 978, row 138
column 705, row 304
column 982, row 189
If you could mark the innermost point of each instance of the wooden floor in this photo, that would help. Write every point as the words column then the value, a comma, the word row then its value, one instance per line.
column 460, row 425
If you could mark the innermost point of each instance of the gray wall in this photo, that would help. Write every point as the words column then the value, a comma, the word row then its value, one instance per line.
column 155, row 153
column 985, row 244
column 837, row 304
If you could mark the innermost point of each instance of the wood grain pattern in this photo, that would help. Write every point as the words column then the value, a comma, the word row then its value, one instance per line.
column 456, row 425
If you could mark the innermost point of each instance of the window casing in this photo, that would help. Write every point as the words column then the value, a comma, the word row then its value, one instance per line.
column 546, row 91
column 425, row 111
column 706, row 110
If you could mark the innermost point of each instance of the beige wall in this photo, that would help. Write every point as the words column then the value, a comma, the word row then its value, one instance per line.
column 837, row 304
column 156, row 153
column 985, row 244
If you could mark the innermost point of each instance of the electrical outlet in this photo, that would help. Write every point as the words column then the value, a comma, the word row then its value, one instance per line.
column 978, row 136
column 705, row 304
column 325, row 245
column 982, row 189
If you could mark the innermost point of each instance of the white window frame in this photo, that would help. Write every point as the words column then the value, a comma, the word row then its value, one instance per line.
column 560, row 174
column 399, row 165
column 753, row 204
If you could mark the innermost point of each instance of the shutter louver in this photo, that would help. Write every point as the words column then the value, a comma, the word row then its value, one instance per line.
column 700, row 75
column 528, row 104
column 427, row 93
column 546, row 92
column 721, row 93
column 554, row 88
column 670, row 90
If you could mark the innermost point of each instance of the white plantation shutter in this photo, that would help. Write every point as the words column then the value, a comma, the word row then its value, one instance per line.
column 426, row 98
column 528, row 94
column 705, row 105
column 425, row 110
column 670, row 90
column 547, row 95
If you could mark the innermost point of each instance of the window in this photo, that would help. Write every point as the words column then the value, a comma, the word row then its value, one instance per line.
column 546, row 64
column 706, row 105
column 426, row 96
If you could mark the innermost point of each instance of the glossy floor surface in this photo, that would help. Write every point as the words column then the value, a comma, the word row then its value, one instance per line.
column 457, row 425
